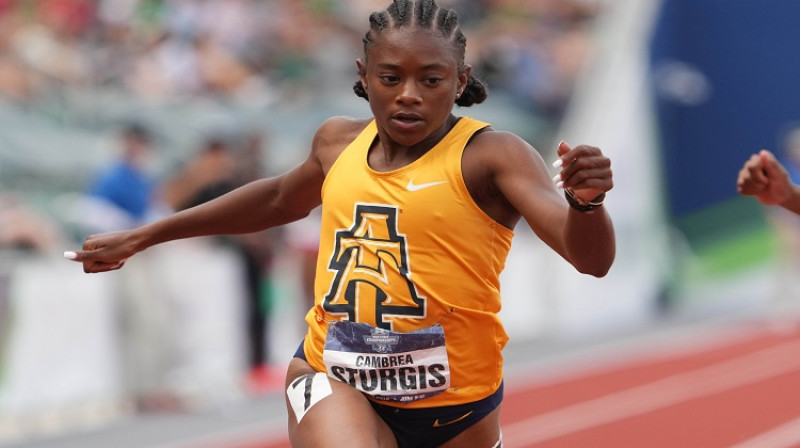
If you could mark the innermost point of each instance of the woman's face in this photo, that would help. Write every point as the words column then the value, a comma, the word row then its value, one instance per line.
column 411, row 77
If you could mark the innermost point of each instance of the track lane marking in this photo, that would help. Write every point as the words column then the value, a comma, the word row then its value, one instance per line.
column 783, row 436
column 706, row 381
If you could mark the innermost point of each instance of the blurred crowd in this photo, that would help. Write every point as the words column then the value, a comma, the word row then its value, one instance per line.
column 256, row 51
column 249, row 53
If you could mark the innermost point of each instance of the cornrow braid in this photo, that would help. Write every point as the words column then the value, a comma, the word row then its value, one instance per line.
column 447, row 21
column 425, row 14
column 401, row 11
column 378, row 21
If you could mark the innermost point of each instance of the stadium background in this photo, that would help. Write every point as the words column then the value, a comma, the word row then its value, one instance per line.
column 677, row 92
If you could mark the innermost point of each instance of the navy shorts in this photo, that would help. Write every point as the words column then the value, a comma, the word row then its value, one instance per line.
column 431, row 427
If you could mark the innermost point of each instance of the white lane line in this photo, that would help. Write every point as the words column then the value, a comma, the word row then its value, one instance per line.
column 784, row 436
column 721, row 377
column 663, row 346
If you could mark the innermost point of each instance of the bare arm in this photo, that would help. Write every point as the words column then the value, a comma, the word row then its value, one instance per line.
column 763, row 177
column 584, row 239
column 256, row 206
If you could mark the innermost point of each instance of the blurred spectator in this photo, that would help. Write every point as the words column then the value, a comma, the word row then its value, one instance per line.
column 23, row 228
column 216, row 169
column 50, row 43
column 123, row 195
column 208, row 174
column 258, row 254
column 15, row 82
column 126, row 188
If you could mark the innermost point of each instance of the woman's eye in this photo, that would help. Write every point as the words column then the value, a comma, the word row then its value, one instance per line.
column 433, row 81
column 389, row 79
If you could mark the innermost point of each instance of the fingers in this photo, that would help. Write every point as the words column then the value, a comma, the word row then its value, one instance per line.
column 561, row 149
column 754, row 176
column 765, row 178
column 78, row 255
column 771, row 167
column 597, row 179
column 583, row 167
column 101, row 253
column 94, row 267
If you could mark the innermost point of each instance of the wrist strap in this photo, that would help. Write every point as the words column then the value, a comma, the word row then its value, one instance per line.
column 583, row 206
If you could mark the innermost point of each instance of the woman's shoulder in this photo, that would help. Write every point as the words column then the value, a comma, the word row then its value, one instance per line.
column 341, row 129
column 498, row 141
column 491, row 150
column 334, row 135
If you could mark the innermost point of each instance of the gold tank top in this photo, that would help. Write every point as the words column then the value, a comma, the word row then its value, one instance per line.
column 407, row 249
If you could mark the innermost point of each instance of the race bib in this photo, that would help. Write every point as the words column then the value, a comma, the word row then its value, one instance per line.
column 385, row 364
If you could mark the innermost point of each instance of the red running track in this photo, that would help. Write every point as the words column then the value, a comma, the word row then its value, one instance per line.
column 737, row 391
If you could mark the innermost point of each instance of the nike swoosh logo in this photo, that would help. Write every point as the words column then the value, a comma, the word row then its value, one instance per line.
column 414, row 187
column 436, row 424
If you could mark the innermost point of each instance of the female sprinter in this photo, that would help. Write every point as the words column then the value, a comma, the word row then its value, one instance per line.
column 404, row 344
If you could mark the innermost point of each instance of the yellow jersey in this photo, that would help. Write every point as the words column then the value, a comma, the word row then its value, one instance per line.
column 409, row 249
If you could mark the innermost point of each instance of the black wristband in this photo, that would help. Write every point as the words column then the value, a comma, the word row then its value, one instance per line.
column 583, row 207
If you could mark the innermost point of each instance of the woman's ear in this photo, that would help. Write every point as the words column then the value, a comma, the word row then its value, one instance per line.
column 362, row 72
column 463, row 77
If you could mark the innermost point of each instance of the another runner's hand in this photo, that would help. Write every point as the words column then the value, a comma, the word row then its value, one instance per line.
column 585, row 170
column 105, row 252
column 763, row 177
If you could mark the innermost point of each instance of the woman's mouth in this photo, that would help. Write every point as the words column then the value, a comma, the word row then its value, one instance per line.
column 407, row 120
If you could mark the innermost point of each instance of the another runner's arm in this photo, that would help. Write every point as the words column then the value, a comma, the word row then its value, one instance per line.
column 764, row 177
column 584, row 239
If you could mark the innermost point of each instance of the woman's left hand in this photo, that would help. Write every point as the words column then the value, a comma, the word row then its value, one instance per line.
column 584, row 170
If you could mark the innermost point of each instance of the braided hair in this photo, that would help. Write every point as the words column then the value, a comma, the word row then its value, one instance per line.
column 425, row 14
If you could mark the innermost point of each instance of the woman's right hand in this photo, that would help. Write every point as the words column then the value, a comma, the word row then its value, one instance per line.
column 105, row 252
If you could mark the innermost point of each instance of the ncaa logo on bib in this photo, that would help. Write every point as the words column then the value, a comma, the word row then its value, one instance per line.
column 381, row 340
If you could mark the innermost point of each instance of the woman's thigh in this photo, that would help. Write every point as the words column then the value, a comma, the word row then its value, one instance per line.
column 484, row 434
column 326, row 413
